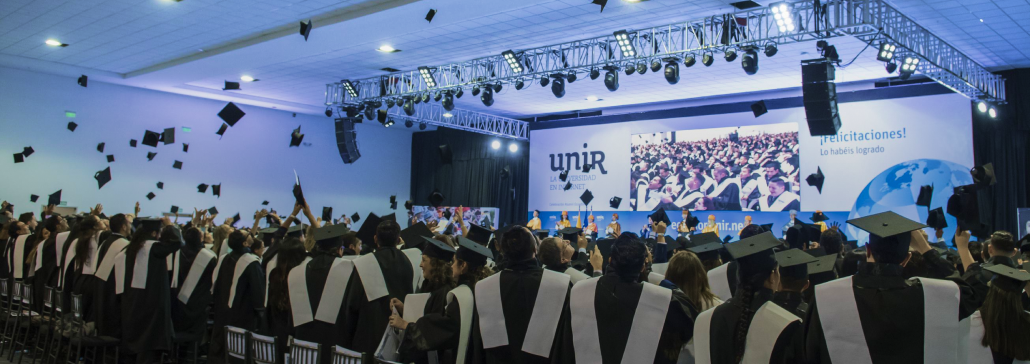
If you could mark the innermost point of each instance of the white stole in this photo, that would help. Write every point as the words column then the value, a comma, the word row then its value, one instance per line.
column 703, row 337
column 241, row 266
column 660, row 268
column 466, row 304
column 415, row 306
column 68, row 260
column 415, row 258
column 575, row 275
column 195, row 274
column 90, row 267
column 59, row 246
column 371, row 276
column 141, row 267
column 655, row 278
column 779, row 204
column 688, row 199
column 547, row 309
column 39, row 258
column 766, row 326
column 218, row 268
column 19, row 256
column 973, row 350
column 104, row 270
column 268, row 274
column 332, row 292
column 643, row 202
column 720, row 282
column 644, row 333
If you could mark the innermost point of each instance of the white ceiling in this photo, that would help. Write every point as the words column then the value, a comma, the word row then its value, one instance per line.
column 155, row 44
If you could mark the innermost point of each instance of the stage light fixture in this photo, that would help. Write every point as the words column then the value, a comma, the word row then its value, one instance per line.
column 437, row 96
column 558, row 86
column 750, row 61
column 656, row 65
column 886, row 52
column 641, row 67
column 908, row 67
column 475, row 90
column 390, row 103
column 890, row 67
column 460, row 92
column 611, row 78
column 386, row 48
column 513, row 147
column 707, row 59
column 981, row 106
column 519, row 84
column 690, row 60
column 622, row 37
column 417, row 99
column 544, row 81
column 498, row 87
column 389, row 123
column 376, row 104
column 487, row 97
column 349, row 87
column 496, row 144
column 447, row 115
column 370, row 113
column 992, row 112
column 425, row 97
column 594, row 74
column 784, row 17
column 571, row 77
column 427, row 75
column 408, row 123
column 513, row 61
column 730, row 55
column 448, row 101
column 409, row 107
column 672, row 72
column 328, row 112
column 771, row 49
column 422, row 126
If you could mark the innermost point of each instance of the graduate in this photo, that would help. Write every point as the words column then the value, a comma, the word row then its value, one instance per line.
column 45, row 257
column 793, row 281
column 280, row 311
column 141, row 280
column 316, row 290
column 80, row 265
column 18, row 249
column 896, row 317
column 722, row 277
column 726, row 193
column 1002, row 251
column 436, row 262
column 382, row 275
column 193, row 266
column 105, row 302
column 998, row 331
column 616, row 318
column 526, row 327
column 447, row 334
column 556, row 254
column 749, row 328
column 238, row 292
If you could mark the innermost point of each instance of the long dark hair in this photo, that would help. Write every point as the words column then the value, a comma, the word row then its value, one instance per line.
column 440, row 276
column 291, row 254
column 1006, row 325
column 88, row 227
column 746, row 290
column 141, row 236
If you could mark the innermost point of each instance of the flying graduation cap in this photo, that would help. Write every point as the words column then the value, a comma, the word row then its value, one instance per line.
column 18, row 157
column 150, row 138
column 151, row 155
column 296, row 137
column 564, row 175
column 175, row 209
column 964, row 206
column 33, row 198
column 231, row 114
column 614, row 202
column 213, row 211
column 983, row 176
column 222, row 129
column 327, row 214
column 168, row 136
column 160, row 185
column 305, row 29
column 586, row 197
column 600, row 2
column 264, row 203
column 816, row 179
column 216, row 190
column 586, row 167
column 151, row 195
column 229, row 85
column 100, row 147
column 110, row 158
column 568, row 186
column 72, row 125
column 759, row 108
column 297, row 192
column 355, row 218
column 83, row 80
column 430, row 15
column 925, row 196
column 936, row 219
column 177, row 165
column 201, row 188
column 54, row 198
column 132, row 143
column 185, row 147
column 103, row 177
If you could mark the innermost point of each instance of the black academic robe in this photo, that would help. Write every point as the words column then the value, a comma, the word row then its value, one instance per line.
column 439, row 329
column 849, row 264
column 724, row 324
column 147, row 313
column 329, row 335
column 267, row 257
column 978, row 277
column 890, row 308
column 69, row 273
column 794, row 302
column 728, row 199
column 106, row 304
column 436, row 308
column 190, row 318
column 519, row 283
column 5, row 265
column 248, row 304
column 84, row 284
column 26, row 264
column 616, row 302
column 45, row 275
column 366, row 320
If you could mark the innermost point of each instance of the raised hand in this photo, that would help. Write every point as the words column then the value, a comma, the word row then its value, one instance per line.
column 835, row 226
column 658, row 227
column 136, row 211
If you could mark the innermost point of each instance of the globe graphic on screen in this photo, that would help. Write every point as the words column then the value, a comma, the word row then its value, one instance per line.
column 897, row 188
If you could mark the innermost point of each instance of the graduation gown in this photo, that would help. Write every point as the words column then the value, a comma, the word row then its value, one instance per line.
column 722, row 324
column 146, row 297
column 723, row 280
column 617, row 321
column 316, row 289
column 45, row 267
column 519, row 285
column 793, row 302
column 726, row 196
column 368, row 307
column 237, row 297
column 978, row 277
column 191, row 291
column 81, row 279
column 106, row 304
column 17, row 256
column 440, row 330
column 975, row 352
column 891, row 311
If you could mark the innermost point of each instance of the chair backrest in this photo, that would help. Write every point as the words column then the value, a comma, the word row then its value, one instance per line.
column 304, row 352
column 3, row 287
column 17, row 291
column 262, row 349
column 384, row 361
column 48, row 297
column 77, row 307
column 346, row 356
column 26, row 296
column 235, row 343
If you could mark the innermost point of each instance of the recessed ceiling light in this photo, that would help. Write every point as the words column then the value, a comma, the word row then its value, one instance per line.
column 55, row 43
column 387, row 49
column 246, row 78
column 592, row 98
column 447, row 115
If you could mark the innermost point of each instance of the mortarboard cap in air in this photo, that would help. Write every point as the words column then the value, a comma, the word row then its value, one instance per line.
column 185, row 147
column 355, row 218
column 216, row 190
column 936, row 219
column 794, row 263
column 435, row 198
column 568, row 186
column 54, row 198
column 177, row 165
column 83, row 80
column 202, row 188
column 408, row 205
column 222, row 129
column 168, row 136
column 231, row 114
column 151, row 195
column 305, row 29
column 541, row 234
column 175, row 209
column 430, row 15
column 758, row 109
column 151, row 155
column 822, row 269
column 230, row 85
column 297, row 230
column 586, row 167
column 614, row 202
column 435, row 248
column 367, row 232
column 479, row 234
column 72, row 125
column 964, row 206
column 564, row 175
column 132, row 143
column 327, row 214
column 413, row 235
column 472, row 253
column 925, row 196
column 212, row 211
column 707, row 251
column 600, row 2
column 103, row 177
column 264, row 203
column 754, row 254
column 296, row 137
column 27, row 151
column 816, row 179
column 235, row 219
column 586, row 197
column 33, row 198
column 100, row 147
column 887, row 226
column 147, row 224
column 150, row 138
column 1008, row 278
column 110, row 158
column 390, row 217
column 330, row 236
column 660, row 216
column 161, row 185
column 298, row 193
column 18, row 158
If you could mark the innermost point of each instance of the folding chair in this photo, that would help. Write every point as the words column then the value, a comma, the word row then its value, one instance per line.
column 347, row 356
column 236, row 344
column 304, row 352
column 262, row 349
column 79, row 340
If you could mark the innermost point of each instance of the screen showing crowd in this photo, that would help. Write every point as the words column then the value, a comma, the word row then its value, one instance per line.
column 750, row 168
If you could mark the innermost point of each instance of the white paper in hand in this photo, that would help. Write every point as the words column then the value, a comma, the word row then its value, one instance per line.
column 390, row 343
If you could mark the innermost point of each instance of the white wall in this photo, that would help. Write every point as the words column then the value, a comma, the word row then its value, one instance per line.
column 253, row 161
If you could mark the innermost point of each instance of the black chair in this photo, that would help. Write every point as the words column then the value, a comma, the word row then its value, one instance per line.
column 21, row 316
column 79, row 340
column 304, row 352
column 236, row 344
column 6, row 305
column 49, row 328
column 347, row 356
column 56, row 340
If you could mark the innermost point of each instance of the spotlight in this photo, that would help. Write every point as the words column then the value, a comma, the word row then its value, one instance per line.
column 349, row 87
column 328, row 112
column 891, row 66
column 784, row 17
column 422, row 126
column 448, row 101
column 496, row 144
column 886, row 52
column 388, row 123
column 437, row 96
column 447, row 115
column 992, row 112
column 689, row 61
column 730, row 55
column 908, row 67
column 382, row 116
column 418, row 99
column 519, row 85
column 594, row 74
column 571, row 77
column 513, row 61
column 641, row 67
column 427, row 75
column 409, row 107
column 513, row 147
column 498, row 86
column 622, row 37
column 672, row 72
column 487, row 97
column 707, row 59
column 543, row 81
column 460, row 92
column 376, row 104
column 981, row 106
column 656, row 65
column 770, row 50
column 475, row 90
column 750, row 61
column 611, row 78
column 425, row 97
column 370, row 113
column 390, row 103
column 558, row 86
column 408, row 123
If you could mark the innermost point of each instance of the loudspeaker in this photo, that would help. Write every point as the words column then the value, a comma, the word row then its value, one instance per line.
column 347, row 140
column 820, row 98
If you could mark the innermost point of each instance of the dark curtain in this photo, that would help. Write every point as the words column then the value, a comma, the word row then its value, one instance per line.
column 1005, row 141
column 473, row 178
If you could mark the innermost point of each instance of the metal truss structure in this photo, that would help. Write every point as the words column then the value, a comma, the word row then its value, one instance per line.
column 871, row 21
column 434, row 114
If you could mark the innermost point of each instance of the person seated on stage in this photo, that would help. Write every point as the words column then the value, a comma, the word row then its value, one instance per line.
column 998, row 331
column 614, row 304
column 534, row 224
column 527, row 327
column 711, row 227
column 747, row 222
column 897, row 318
column 779, row 198
column 591, row 228
column 564, row 221
column 684, row 228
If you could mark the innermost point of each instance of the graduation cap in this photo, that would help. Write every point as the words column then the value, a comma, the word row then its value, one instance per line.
column 445, row 154
column 151, row 195
column 822, row 269
column 435, row 248
column 541, row 234
column 413, row 235
column 759, row 108
column 472, row 253
column 568, row 186
column 168, row 136
column 936, row 219
column 305, row 29
column 83, row 80
column 202, row 188
column 600, row 2
column 816, row 179
column 754, row 254
column 100, row 147
column 72, row 125
column 693, row 221
column 216, row 190
column 222, row 129
column 435, row 199
column 327, row 213
column 298, row 193
column 390, row 217
column 54, row 198
column 766, row 227
column 925, row 195
column 103, row 177
column 794, row 263
column 570, row 233
column 430, row 15
column 27, row 151
column 367, row 231
column 151, row 155
column 175, row 209
column 296, row 137
column 33, row 198
column 235, row 218
column 110, row 158
column 18, row 158
column 355, row 218
column 586, row 167
column 150, row 138
column 264, row 203
column 983, row 176
column 231, row 114
column 707, row 251
column 564, row 175
column 964, row 206
column 132, row 143
column 296, row 231
column 147, row 224
column 393, row 202
column 328, row 237
column 479, row 234
column 408, row 205
column 605, row 247
column 660, row 216
column 614, row 202
column 586, row 197
column 177, row 165
column 1008, row 278
column 885, row 225
column 818, row 216
column 213, row 211
column 981, row 231
column 161, row 185
column 229, row 85
column 185, row 147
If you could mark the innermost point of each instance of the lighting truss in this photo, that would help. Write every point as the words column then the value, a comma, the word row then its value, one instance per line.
column 433, row 114
column 871, row 21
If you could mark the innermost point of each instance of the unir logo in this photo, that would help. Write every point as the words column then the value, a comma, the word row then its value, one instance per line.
column 575, row 161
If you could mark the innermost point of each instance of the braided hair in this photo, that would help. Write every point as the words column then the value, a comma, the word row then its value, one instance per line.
column 746, row 290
